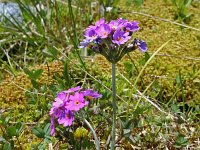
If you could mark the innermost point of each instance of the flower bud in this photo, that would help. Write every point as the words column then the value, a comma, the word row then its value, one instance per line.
column 80, row 132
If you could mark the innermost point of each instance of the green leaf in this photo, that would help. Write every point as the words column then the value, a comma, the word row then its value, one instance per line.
column 4, row 121
column 129, row 67
column 47, row 129
column 188, row 3
column 38, row 132
column 126, row 132
column 19, row 127
column 33, row 74
column 47, row 139
column 7, row 146
column 178, row 80
column 28, row 72
column 146, row 56
column 180, row 142
column 50, row 52
column 11, row 131
column 34, row 83
column 175, row 108
column 42, row 146
column 138, row 2
column 37, row 73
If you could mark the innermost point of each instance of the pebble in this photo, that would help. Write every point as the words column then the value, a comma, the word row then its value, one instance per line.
column 10, row 11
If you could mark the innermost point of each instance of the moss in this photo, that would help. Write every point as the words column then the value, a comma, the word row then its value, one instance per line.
column 13, row 89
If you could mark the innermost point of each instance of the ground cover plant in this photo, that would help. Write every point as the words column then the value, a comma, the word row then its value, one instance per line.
column 56, row 91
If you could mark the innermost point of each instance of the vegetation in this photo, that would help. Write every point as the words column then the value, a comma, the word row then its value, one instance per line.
column 158, row 92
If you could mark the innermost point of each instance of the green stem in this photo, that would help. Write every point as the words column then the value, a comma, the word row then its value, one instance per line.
column 97, row 143
column 114, row 107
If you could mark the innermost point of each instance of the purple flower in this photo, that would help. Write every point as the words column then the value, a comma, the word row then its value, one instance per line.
column 122, row 21
column 107, row 38
column 103, row 31
column 90, row 34
column 56, row 111
column 100, row 22
column 98, row 41
column 90, row 94
column 84, row 44
column 61, row 97
column 58, row 104
column 120, row 37
column 76, row 102
column 132, row 26
column 71, row 90
column 66, row 118
column 66, row 104
column 140, row 44
column 116, row 25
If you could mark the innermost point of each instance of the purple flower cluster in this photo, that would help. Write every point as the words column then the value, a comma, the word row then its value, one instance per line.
column 110, row 39
column 69, row 102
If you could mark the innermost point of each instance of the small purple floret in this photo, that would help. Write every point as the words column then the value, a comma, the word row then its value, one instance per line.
column 132, row 26
column 90, row 34
column 100, row 22
column 84, row 44
column 115, row 25
column 66, row 118
column 76, row 102
column 71, row 90
column 120, row 37
column 103, row 31
column 91, row 94
column 141, row 45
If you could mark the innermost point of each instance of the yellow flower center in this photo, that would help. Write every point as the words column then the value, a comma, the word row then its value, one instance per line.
column 77, row 102
column 90, row 97
column 118, row 39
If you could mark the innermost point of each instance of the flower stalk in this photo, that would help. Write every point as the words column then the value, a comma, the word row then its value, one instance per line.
column 114, row 105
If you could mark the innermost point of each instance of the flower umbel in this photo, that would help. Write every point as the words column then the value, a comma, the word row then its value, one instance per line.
column 90, row 94
column 67, row 103
column 112, row 39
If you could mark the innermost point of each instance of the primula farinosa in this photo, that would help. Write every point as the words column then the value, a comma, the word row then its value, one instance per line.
column 103, row 31
column 113, row 39
column 67, row 103
column 90, row 94
column 66, row 118
column 76, row 102
column 120, row 37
